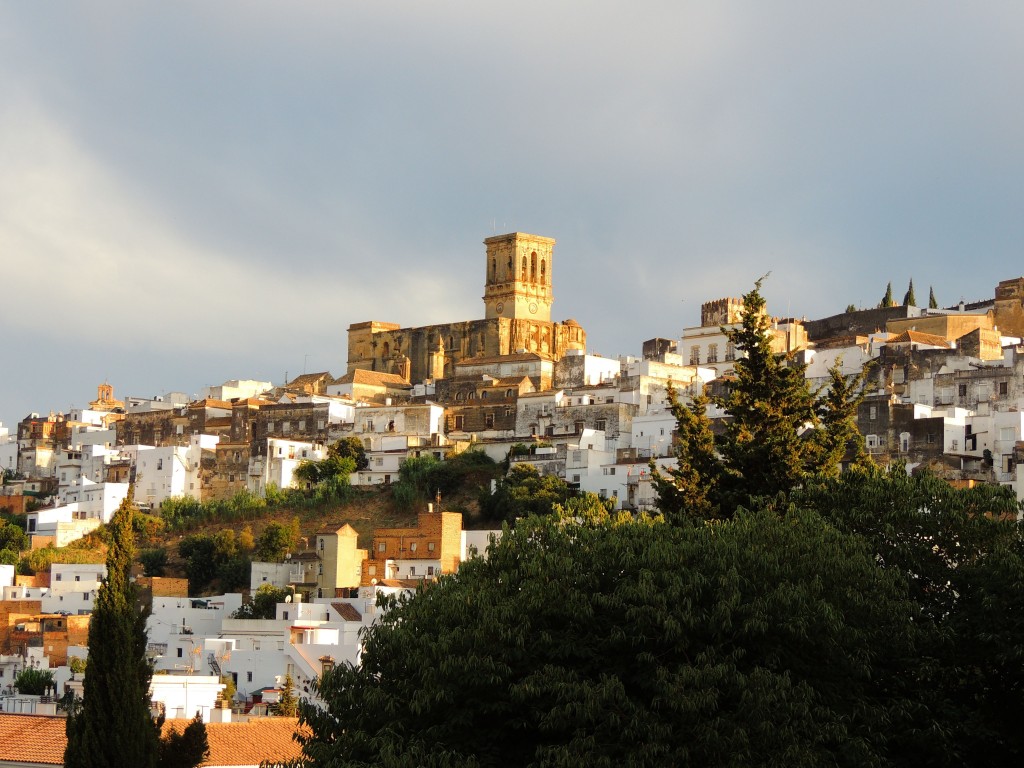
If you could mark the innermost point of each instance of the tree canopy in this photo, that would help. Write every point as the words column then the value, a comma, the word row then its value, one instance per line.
column 600, row 640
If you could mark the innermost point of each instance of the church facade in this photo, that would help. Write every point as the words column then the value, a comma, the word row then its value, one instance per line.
column 517, row 319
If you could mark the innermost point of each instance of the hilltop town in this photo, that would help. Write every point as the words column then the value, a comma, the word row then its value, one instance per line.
column 944, row 391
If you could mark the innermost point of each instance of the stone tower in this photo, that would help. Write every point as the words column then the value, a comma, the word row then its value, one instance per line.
column 518, row 283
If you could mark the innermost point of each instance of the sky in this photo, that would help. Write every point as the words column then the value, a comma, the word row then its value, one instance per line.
column 193, row 192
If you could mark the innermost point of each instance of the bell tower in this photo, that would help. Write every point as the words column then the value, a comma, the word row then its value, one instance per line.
column 518, row 282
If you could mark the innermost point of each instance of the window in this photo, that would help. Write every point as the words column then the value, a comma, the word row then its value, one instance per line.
column 601, row 425
column 712, row 353
column 321, row 543
column 78, row 578
column 160, row 463
column 412, row 547
column 382, row 547
column 372, row 570
column 954, row 445
column 931, row 437
column 489, row 421
column 730, row 351
column 872, row 441
column 430, row 570
column 873, row 412
column 695, row 355
column 379, row 461
column 302, row 424
column 59, row 576
column 962, row 389
column 1002, row 387
column 603, row 493
column 248, row 677
column 412, row 570
column 286, row 427
column 430, row 546
column 180, row 654
column 458, row 421
column 320, row 569
column 577, row 427
column 320, row 424
column 270, row 426
column 284, row 614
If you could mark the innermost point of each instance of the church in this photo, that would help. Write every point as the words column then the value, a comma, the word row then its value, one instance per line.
column 517, row 320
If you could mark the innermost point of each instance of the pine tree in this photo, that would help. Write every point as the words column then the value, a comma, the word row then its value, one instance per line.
column 113, row 726
column 686, row 490
column 909, row 299
column 770, row 404
column 288, row 704
column 839, row 437
column 932, row 303
column 887, row 300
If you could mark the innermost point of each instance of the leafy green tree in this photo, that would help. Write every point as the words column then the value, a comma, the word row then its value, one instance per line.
column 12, row 537
column 154, row 561
column 350, row 448
column 78, row 665
column 8, row 557
column 210, row 557
column 288, row 703
column 263, row 604
column 851, row 308
column 764, row 640
column 961, row 554
column 33, row 682
column 932, row 303
column 113, row 726
column 524, row 492
column 277, row 540
column 908, row 299
column 187, row 749
column 887, row 300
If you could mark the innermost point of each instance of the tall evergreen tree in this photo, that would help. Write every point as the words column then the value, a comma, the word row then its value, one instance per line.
column 113, row 726
column 770, row 404
column 887, row 300
column 932, row 303
column 690, row 490
column 839, row 437
column 909, row 300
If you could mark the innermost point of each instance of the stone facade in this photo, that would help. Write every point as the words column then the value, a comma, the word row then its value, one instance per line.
column 517, row 304
column 1009, row 307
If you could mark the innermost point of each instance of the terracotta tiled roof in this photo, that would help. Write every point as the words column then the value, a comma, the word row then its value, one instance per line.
column 309, row 378
column 32, row 739
column 347, row 611
column 916, row 337
column 248, row 743
column 359, row 376
column 210, row 403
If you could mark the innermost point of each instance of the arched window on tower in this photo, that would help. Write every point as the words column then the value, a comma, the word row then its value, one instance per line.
column 494, row 269
column 543, row 271
column 533, row 267
column 524, row 269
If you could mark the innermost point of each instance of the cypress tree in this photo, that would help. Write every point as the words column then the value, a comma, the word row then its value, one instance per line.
column 113, row 726
column 932, row 303
column 909, row 300
column 887, row 300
